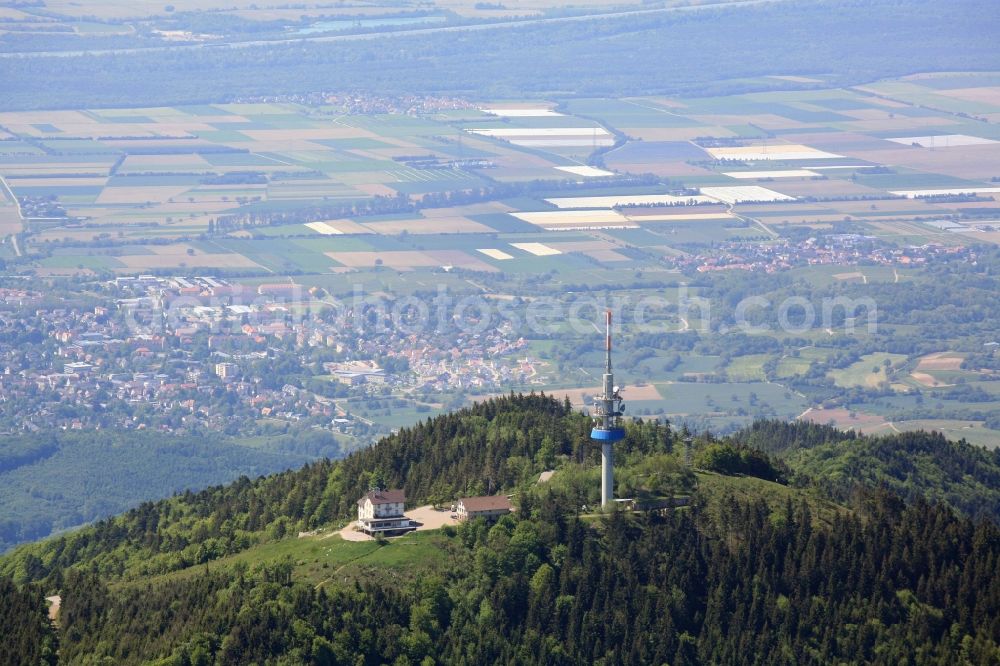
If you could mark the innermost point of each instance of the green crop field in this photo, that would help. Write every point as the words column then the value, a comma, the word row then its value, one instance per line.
column 869, row 372
column 747, row 368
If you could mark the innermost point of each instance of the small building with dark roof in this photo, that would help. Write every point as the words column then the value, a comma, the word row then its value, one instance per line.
column 490, row 507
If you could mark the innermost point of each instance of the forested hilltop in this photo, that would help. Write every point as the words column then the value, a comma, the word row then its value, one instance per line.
column 768, row 562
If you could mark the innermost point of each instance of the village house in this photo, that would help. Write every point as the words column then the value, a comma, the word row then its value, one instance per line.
column 488, row 507
column 381, row 512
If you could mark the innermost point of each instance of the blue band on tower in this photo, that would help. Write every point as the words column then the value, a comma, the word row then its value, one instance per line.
column 603, row 435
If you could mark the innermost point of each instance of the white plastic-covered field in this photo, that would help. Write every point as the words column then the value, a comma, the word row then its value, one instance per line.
column 841, row 166
column 753, row 175
column 494, row 253
column 943, row 140
column 540, row 131
column 573, row 218
column 627, row 200
column 549, row 137
column 574, row 142
column 522, row 112
column 791, row 151
column 914, row 194
column 586, row 171
column 323, row 228
column 744, row 193
column 680, row 217
column 537, row 249
column 947, row 225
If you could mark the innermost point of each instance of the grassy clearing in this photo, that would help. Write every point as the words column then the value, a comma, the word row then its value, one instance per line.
column 318, row 558
column 418, row 553
column 717, row 488
column 687, row 398
column 395, row 417
column 747, row 368
column 973, row 432
column 869, row 371
column 789, row 366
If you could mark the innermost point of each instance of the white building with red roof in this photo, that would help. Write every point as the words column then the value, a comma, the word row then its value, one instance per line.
column 381, row 512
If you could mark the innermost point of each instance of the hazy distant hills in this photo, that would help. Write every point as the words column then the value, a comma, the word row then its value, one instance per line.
column 55, row 481
column 708, row 52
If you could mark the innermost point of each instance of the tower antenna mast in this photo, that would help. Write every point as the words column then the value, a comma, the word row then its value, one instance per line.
column 607, row 421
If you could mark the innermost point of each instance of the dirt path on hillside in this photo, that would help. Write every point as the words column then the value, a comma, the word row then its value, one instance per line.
column 54, row 603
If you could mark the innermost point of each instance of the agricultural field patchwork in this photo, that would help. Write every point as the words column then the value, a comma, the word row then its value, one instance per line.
column 908, row 162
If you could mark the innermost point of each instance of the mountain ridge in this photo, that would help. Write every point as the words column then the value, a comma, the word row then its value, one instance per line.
column 749, row 566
